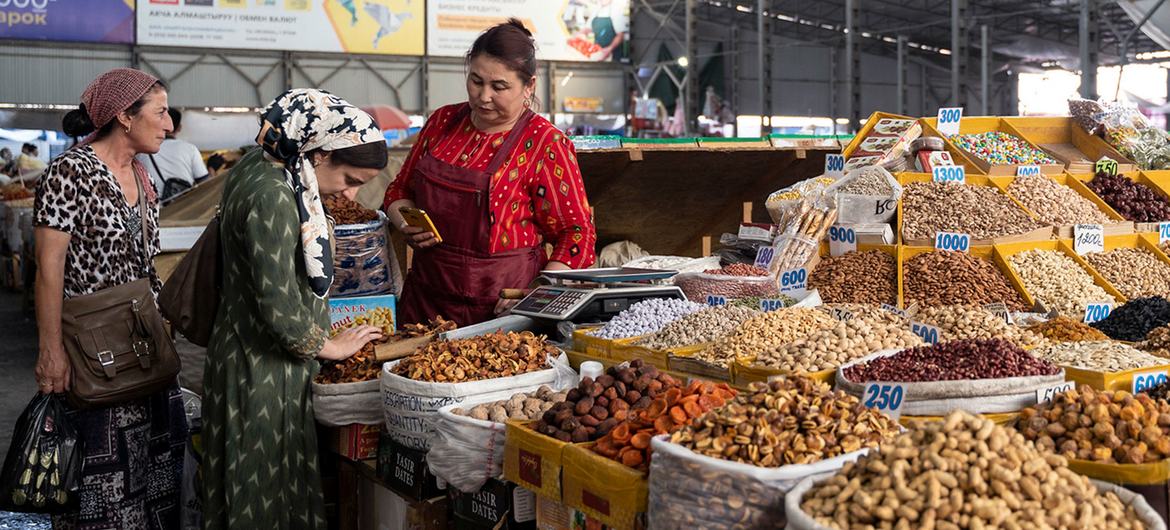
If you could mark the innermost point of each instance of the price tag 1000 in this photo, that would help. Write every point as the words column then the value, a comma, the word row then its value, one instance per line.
column 949, row 174
column 715, row 300
column 1088, row 239
column 926, row 332
column 1044, row 395
column 834, row 165
column 886, row 397
column 949, row 119
column 952, row 241
column 794, row 281
column 1097, row 311
column 764, row 257
column 842, row 240
column 1028, row 171
column 1163, row 233
column 1144, row 381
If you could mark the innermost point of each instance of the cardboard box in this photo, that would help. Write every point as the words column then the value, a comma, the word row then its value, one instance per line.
column 552, row 515
column 974, row 164
column 533, row 460
column 344, row 312
column 405, row 470
column 498, row 505
column 616, row 495
column 355, row 442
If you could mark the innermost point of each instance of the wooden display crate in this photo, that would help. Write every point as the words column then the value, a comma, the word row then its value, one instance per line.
column 615, row 495
column 1109, row 380
column 1141, row 178
column 867, row 128
column 1066, row 141
column 598, row 347
column 1118, row 226
column 976, row 125
column 988, row 253
column 629, row 352
column 681, row 360
column 1009, row 250
column 1040, row 234
column 747, row 373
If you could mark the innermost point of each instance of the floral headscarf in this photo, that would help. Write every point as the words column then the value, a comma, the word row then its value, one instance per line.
column 298, row 122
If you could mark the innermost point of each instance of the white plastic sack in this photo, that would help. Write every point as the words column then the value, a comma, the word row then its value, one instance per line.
column 939, row 398
column 411, row 407
column 340, row 404
column 865, row 209
column 798, row 520
column 681, row 264
column 689, row 490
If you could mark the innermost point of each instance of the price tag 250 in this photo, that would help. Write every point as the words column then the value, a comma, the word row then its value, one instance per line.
column 795, row 280
column 1044, row 395
column 952, row 241
column 842, row 240
column 771, row 304
column 949, row 119
column 834, row 165
column 1145, row 381
column 886, row 397
column 1088, row 239
column 715, row 300
column 949, row 174
column 926, row 332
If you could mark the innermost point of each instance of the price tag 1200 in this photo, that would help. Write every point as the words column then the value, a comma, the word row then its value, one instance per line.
column 886, row 397
column 1144, row 381
column 952, row 241
column 1088, row 239
column 949, row 174
column 1044, row 395
column 794, row 281
column 1097, row 311
column 834, row 166
column 842, row 240
column 949, row 119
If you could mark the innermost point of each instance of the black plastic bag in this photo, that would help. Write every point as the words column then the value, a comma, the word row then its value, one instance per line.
column 42, row 471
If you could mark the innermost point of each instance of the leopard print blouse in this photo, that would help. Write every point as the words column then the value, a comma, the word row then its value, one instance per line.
column 79, row 195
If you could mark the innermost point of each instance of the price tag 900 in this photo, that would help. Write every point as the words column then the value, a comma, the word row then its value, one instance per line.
column 952, row 241
column 1044, row 395
column 949, row 119
column 949, row 174
column 1028, row 171
column 926, row 332
column 842, row 240
column 1146, row 380
column 715, row 300
column 1097, row 311
column 795, row 280
column 886, row 397
column 834, row 165
column 900, row 312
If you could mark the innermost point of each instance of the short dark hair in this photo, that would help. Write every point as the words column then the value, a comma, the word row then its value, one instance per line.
column 28, row 147
column 176, row 117
column 78, row 123
column 373, row 155
column 512, row 44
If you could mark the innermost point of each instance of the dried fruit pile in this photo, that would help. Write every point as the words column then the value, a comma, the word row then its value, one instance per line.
column 530, row 406
column 594, row 408
column 1102, row 426
column 347, row 212
column 362, row 366
column 477, row 358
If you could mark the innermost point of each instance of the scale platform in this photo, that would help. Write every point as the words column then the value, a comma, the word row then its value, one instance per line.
column 601, row 294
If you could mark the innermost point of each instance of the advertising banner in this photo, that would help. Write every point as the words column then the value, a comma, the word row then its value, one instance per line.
column 68, row 20
column 565, row 30
column 351, row 26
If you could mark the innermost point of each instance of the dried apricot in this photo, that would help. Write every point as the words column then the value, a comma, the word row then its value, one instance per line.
column 640, row 440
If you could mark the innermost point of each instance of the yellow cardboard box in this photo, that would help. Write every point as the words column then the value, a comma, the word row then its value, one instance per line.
column 533, row 460
column 601, row 488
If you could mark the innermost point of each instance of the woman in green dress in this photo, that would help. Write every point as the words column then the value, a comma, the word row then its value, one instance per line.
column 260, row 444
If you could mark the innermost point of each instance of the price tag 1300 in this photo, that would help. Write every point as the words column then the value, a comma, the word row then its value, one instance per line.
column 842, row 240
column 886, row 397
column 952, row 241
column 1088, row 239
column 949, row 174
column 1044, row 395
column 1028, row 171
column 1144, row 381
column 949, row 119
column 1097, row 311
column 834, row 166
column 794, row 281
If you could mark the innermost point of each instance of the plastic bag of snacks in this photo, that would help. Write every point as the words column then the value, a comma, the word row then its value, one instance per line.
column 1132, row 134
column 866, row 195
column 42, row 472
column 738, row 280
column 800, row 239
column 362, row 264
column 784, row 204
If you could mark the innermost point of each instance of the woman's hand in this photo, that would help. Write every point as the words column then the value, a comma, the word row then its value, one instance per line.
column 418, row 237
column 53, row 371
column 349, row 342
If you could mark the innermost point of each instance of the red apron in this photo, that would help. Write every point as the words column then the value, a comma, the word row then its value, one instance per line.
column 459, row 278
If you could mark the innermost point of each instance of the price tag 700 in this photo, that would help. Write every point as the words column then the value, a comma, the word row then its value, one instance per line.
column 926, row 332
column 952, row 241
column 949, row 174
column 1146, row 380
column 886, row 397
column 1097, row 311
column 842, row 240
column 1163, row 233
column 949, row 119
column 834, row 165
column 794, row 280
column 1044, row 395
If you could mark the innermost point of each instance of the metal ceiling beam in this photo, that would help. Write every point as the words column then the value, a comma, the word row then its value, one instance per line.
column 1089, row 27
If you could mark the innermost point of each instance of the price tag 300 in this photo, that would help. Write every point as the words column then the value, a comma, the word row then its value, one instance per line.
column 949, row 174
column 834, row 166
column 926, row 332
column 794, row 281
column 842, row 240
column 1044, row 395
column 886, row 397
column 1144, row 381
column 952, row 241
column 1097, row 311
column 1088, row 239
column 949, row 119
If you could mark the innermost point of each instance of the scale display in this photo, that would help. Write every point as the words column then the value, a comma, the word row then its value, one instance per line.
column 588, row 304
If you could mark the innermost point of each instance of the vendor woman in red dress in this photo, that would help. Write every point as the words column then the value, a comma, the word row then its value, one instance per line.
column 498, row 181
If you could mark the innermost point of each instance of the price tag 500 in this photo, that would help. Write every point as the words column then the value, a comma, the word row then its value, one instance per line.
column 1044, row 395
column 926, row 332
column 1146, row 380
column 886, row 397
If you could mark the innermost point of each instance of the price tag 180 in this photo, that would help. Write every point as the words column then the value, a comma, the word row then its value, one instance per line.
column 1028, row 171
column 842, row 240
column 926, row 332
column 834, row 166
column 885, row 397
column 1044, row 395
column 952, row 241
column 1097, row 311
column 715, row 300
column 1144, row 381
column 771, row 304
column 1163, row 233
column 1088, row 239
column 949, row 174
column 764, row 257
column 949, row 119
column 794, row 282
column 1105, row 165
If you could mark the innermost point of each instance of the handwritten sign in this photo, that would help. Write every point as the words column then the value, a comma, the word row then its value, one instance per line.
column 900, row 312
column 771, row 304
column 1163, row 233
column 949, row 119
column 764, row 257
column 794, row 281
column 1088, row 239
column 1001, row 311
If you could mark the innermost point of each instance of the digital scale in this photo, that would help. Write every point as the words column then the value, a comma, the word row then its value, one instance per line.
column 598, row 295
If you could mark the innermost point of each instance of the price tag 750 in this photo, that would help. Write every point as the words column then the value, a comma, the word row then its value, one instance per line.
column 1105, row 165
column 1144, row 381
column 886, row 397
column 949, row 174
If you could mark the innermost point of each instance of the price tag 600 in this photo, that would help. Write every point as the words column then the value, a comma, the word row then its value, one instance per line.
column 952, row 241
column 949, row 119
column 771, row 304
column 834, row 165
column 842, row 240
column 949, row 174
column 1028, row 171
column 1097, row 311
column 1088, row 239
column 1144, row 381
column 794, row 281
column 764, row 256
column 1044, row 395
column 926, row 332
column 714, row 300
column 886, row 397
column 1163, row 233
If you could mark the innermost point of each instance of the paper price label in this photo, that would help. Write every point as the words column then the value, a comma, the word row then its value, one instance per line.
column 885, row 397
column 715, row 300
column 900, row 312
column 754, row 232
column 926, row 332
column 1144, row 381
column 771, row 304
column 949, row 174
column 952, row 241
column 1097, row 311
column 794, row 281
column 1105, row 165
column 834, row 166
column 1028, row 171
column 841, row 314
column 764, row 257
column 1163, row 233
column 949, row 119
column 842, row 240
column 1044, row 395
column 1001, row 311
column 1088, row 239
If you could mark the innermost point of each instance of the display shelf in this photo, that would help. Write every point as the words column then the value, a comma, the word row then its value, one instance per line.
column 1118, row 226
column 976, row 125
column 1066, row 141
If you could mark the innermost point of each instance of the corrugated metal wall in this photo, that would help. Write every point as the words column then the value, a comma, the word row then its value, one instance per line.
column 53, row 75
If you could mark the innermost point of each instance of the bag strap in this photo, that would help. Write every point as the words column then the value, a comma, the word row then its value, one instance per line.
column 142, row 213
column 161, row 177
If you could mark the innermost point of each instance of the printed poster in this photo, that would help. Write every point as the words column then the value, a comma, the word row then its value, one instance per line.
column 110, row 21
column 352, row 26
column 564, row 30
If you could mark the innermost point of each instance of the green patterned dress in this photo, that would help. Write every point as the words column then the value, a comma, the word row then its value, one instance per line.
column 260, row 442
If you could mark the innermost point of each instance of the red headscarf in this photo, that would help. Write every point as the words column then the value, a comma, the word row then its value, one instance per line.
column 114, row 92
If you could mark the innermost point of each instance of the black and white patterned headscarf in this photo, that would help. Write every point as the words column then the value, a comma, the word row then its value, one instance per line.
column 298, row 122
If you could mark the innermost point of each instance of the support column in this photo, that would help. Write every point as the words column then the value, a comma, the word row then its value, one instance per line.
column 852, row 65
column 985, row 70
column 733, row 91
column 1089, row 26
column 691, row 86
column 901, row 105
column 764, row 64
column 958, row 52
column 551, row 86
column 834, row 113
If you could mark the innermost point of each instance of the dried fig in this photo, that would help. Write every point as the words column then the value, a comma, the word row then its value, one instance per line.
column 599, row 412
